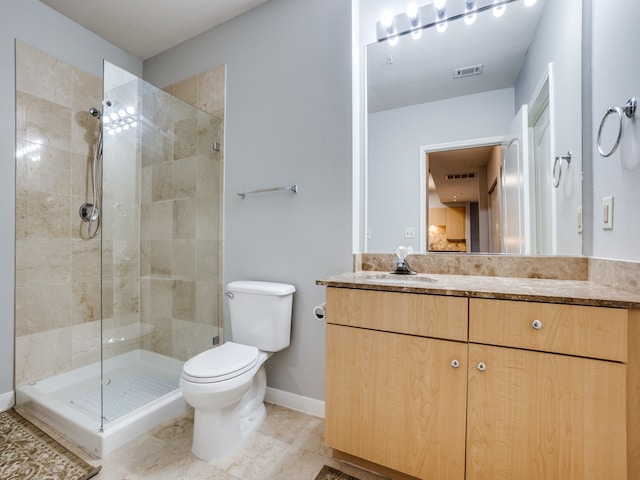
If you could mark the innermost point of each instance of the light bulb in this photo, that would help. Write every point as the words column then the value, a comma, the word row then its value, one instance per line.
column 470, row 6
column 416, row 34
column 439, row 4
column 393, row 41
column 122, row 113
column 106, row 120
column 412, row 11
column 528, row 3
column 118, row 130
column 134, row 124
column 125, row 127
column 499, row 10
column 113, row 115
column 131, row 110
column 441, row 26
column 387, row 19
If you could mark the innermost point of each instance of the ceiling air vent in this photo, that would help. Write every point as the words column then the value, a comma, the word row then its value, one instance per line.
column 461, row 176
column 467, row 71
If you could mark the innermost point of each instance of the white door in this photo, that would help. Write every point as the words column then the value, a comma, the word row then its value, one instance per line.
column 515, row 188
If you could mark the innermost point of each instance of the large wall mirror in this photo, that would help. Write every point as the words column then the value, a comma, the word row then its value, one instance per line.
column 474, row 131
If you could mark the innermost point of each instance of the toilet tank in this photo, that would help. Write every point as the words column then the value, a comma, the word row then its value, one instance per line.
column 260, row 314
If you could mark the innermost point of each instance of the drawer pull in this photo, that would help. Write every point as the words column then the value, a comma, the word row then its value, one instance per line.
column 482, row 366
column 536, row 324
column 455, row 363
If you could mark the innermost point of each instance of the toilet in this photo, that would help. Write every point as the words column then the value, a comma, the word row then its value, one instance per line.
column 226, row 384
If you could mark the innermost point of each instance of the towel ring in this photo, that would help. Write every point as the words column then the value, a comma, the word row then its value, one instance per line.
column 629, row 110
column 558, row 161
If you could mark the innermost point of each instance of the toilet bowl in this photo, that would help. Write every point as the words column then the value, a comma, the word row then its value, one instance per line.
column 228, row 402
column 226, row 385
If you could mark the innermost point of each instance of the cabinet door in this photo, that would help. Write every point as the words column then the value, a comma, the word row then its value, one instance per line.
column 396, row 400
column 534, row 415
column 456, row 224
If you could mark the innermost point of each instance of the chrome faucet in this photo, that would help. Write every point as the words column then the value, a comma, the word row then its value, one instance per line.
column 402, row 267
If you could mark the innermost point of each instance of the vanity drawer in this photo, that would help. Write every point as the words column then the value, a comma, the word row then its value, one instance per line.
column 594, row 332
column 414, row 314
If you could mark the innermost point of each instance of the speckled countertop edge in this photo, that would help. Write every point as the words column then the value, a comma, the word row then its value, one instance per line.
column 571, row 292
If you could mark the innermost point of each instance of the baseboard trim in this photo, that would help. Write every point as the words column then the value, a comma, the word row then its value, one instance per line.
column 7, row 400
column 296, row 402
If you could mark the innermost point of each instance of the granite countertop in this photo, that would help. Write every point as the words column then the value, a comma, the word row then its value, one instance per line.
column 571, row 292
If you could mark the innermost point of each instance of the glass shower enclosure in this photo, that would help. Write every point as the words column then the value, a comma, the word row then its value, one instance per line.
column 159, row 243
column 160, row 240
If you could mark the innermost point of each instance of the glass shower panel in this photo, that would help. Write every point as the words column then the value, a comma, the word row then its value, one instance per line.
column 160, row 240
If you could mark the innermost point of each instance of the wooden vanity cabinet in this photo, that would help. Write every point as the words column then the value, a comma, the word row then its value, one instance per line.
column 541, row 391
column 397, row 400
column 550, row 403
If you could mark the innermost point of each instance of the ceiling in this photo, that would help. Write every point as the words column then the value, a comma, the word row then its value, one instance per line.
column 458, row 164
column 145, row 28
column 421, row 71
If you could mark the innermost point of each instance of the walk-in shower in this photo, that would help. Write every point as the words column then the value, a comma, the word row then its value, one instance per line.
column 151, row 213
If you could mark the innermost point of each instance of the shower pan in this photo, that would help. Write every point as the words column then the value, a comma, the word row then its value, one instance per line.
column 153, row 203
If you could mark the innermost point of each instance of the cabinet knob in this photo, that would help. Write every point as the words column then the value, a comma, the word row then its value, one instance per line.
column 482, row 366
column 537, row 324
column 455, row 363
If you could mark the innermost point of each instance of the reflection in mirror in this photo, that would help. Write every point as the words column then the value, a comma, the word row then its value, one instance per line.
column 510, row 85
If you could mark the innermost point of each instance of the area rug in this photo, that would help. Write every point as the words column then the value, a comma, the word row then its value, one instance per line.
column 328, row 473
column 27, row 453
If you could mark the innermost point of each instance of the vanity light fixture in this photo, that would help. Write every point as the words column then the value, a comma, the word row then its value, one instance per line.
column 470, row 12
column 415, row 19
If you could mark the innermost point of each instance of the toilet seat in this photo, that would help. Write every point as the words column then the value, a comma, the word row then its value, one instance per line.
column 221, row 363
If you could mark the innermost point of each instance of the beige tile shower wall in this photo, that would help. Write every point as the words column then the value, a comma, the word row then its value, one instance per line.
column 57, row 271
column 181, row 217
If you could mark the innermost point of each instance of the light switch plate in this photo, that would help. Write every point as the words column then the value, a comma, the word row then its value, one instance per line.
column 579, row 219
column 607, row 213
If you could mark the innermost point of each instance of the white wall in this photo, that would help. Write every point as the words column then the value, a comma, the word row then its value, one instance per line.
column 36, row 24
column 616, row 77
column 288, row 110
column 395, row 137
column 558, row 40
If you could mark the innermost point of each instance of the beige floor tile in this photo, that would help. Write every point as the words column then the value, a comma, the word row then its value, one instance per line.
column 258, row 455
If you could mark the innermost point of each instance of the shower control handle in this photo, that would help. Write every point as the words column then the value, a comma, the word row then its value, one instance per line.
column 88, row 212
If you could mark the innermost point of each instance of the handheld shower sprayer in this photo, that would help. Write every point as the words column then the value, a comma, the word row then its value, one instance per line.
column 90, row 212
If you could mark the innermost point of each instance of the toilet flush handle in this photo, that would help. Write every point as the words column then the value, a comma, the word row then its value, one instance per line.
column 229, row 294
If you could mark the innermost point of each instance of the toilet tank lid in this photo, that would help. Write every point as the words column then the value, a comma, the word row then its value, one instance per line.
column 260, row 288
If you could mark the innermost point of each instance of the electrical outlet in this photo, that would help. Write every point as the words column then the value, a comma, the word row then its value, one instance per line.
column 409, row 232
column 607, row 213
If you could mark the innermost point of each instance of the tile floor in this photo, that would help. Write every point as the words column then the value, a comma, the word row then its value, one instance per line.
column 288, row 446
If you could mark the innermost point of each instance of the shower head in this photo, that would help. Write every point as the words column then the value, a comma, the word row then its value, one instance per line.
column 95, row 112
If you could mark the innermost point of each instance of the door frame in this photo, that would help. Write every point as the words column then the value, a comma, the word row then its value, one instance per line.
column 544, row 96
column 425, row 150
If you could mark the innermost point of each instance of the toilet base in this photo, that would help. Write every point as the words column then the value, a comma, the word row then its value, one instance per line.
column 217, row 433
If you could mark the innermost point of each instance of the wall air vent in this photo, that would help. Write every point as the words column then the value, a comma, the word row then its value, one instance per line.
column 461, row 176
column 467, row 71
